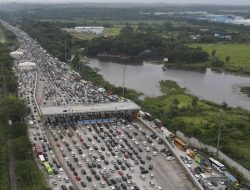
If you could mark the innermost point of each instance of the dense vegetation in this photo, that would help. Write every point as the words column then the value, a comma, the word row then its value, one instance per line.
column 245, row 90
column 134, row 43
column 13, row 138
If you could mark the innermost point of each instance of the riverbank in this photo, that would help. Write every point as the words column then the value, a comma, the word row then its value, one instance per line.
column 201, row 119
column 245, row 90
column 198, row 118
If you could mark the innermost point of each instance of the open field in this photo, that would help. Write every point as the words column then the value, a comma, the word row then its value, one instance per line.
column 238, row 53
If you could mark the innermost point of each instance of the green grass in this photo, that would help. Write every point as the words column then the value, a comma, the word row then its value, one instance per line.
column 239, row 55
column 83, row 35
column 2, row 36
column 113, row 31
column 201, row 119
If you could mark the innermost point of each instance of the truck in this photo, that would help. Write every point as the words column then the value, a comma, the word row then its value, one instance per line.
column 38, row 150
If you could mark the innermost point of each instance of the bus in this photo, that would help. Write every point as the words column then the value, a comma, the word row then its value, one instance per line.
column 180, row 144
column 217, row 165
column 48, row 168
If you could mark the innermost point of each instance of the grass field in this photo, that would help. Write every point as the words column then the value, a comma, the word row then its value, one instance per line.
column 239, row 55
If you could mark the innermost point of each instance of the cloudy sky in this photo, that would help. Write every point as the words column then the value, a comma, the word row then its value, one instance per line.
column 225, row 2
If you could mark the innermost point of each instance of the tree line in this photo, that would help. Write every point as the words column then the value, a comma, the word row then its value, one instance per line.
column 13, row 135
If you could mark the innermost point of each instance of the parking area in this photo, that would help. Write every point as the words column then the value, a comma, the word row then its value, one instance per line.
column 117, row 156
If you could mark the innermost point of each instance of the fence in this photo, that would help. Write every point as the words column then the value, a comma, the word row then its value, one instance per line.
column 223, row 157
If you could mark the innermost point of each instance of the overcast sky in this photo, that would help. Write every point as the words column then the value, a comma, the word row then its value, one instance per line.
column 224, row 2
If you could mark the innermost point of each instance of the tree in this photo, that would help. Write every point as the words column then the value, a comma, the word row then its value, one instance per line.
column 213, row 53
column 194, row 101
column 227, row 59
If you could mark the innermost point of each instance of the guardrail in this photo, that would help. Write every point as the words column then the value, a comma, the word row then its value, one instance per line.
column 62, row 164
column 35, row 88
column 186, row 169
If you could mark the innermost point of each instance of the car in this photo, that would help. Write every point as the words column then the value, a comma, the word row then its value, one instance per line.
column 89, row 179
column 83, row 171
column 158, row 188
column 78, row 178
column 120, row 173
column 71, row 187
column 150, row 167
column 63, row 187
column 143, row 178
column 54, row 183
column 83, row 184
column 66, row 180
column 97, row 177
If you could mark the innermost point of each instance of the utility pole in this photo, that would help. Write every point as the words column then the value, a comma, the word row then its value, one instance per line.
column 124, row 74
column 219, row 133
column 123, row 82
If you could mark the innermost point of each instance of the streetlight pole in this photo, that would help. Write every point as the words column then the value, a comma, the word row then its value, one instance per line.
column 219, row 133
column 123, row 82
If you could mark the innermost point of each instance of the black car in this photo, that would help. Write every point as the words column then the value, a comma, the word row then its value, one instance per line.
column 106, row 162
column 97, row 177
column 123, row 167
column 150, row 167
column 113, row 181
column 109, row 182
column 124, row 178
column 83, row 171
column 93, row 171
column 71, row 187
column 89, row 178
column 63, row 187
column 144, row 172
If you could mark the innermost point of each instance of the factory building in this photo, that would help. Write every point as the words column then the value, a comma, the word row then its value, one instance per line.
column 90, row 29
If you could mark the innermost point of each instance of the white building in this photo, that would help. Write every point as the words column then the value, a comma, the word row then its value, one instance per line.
column 16, row 54
column 90, row 29
column 26, row 66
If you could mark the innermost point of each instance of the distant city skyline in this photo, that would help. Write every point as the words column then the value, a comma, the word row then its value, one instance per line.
column 222, row 2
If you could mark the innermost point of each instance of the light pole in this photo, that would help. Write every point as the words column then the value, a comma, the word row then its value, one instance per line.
column 123, row 82
column 219, row 133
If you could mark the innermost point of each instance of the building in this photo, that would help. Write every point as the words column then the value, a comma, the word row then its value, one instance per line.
column 90, row 29
column 16, row 54
column 26, row 66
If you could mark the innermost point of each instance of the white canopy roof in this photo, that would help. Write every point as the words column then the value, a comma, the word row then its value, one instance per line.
column 27, row 64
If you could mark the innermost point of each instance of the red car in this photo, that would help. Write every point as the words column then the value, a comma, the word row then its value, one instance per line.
column 78, row 178
column 120, row 173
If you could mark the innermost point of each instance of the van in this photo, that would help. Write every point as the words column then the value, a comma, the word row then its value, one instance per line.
column 102, row 184
column 84, row 157
column 79, row 164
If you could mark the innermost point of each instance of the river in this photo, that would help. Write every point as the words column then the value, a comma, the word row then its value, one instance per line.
column 210, row 85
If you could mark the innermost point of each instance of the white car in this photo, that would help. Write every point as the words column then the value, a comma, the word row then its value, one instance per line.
column 158, row 188
column 169, row 158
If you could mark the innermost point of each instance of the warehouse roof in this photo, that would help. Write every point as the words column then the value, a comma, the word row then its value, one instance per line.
column 93, row 108
column 26, row 64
